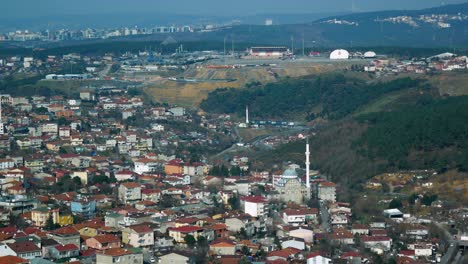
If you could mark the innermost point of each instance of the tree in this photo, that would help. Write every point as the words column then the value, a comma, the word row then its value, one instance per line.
column 50, row 225
column 101, row 179
column 243, row 233
column 235, row 171
column 202, row 242
column 277, row 242
column 167, row 201
column 244, row 260
column 234, row 202
column 395, row 203
column 261, row 254
column 245, row 250
column 190, row 241
column 412, row 198
column 41, row 110
column 77, row 181
column 427, row 199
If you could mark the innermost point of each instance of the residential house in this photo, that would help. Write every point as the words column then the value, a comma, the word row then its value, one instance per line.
column 194, row 169
column 151, row 195
column 6, row 164
column 285, row 254
column 293, row 242
column 223, row 247
column 103, row 242
column 145, row 165
column 327, row 191
column 64, row 251
column 254, row 205
column 66, row 235
column 303, row 233
column 220, row 230
column 163, row 242
column 46, row 245
column 25, row 250
column 120, row 255
column 40, row 215
column 235, row 224
column 174, row 166
column 138, row 236
column 300, row 216
column 179, row 233
column 317, row 258
column 360, row 229
column 84, row 207
column 129, row 192
column 124, row 175
column 417, row 232
column 176, row 258
column 381, row 242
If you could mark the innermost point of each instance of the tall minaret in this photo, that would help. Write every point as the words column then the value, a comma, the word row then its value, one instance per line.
column 247, row 115
column 2, row 129
column 307, row 163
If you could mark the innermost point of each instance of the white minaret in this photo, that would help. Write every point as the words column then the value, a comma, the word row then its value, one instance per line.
column 307, row 163
column 2, row 131
column 247, row 115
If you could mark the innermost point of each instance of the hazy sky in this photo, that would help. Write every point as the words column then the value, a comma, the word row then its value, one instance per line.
column 34, row 8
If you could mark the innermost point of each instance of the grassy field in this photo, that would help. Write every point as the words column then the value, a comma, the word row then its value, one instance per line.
column 450, row 83
column 70, row 88
column 248, row 134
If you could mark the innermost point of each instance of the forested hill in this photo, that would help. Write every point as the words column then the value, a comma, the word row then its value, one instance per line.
column 374, row 127
column 331, row 96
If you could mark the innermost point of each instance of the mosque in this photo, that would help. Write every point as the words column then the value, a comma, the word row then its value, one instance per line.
column 290, row 186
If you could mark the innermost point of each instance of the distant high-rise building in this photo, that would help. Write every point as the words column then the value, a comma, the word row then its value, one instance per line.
column 268, row 22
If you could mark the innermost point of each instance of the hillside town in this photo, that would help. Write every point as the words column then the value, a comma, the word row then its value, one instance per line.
column 109, row 178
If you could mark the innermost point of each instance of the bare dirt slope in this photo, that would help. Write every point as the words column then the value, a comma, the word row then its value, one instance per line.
column 191, row 94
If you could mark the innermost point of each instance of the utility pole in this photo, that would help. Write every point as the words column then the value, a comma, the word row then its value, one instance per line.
column 303, row 46
column 292, row 45
column 224, row 53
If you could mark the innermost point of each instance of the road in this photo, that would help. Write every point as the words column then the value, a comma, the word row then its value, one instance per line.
column 325, row 217
column 453, row 248
column 105, row 71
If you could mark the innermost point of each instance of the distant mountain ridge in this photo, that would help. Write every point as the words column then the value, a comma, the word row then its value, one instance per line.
column 446, row 9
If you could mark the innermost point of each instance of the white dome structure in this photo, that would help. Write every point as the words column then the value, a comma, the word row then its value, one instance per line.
column 339, row 54
column 370, row 54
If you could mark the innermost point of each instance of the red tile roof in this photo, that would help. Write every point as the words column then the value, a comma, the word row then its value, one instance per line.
column 302, row 211
column 186, row 229
column 327, row 184
column 314, row 254
column 131, row 185
column 254, row 199
column 141, row 229
column 67, row 230
column 88, row 252
column 284, row 253
column 106, row 239
column 24, row 247
column 67, row 247
column 350, row 254
column 114, row 252
column 373, row 239
column 12, row 260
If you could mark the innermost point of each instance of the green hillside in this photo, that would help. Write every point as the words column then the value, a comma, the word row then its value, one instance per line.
column 372, row 127
column 330, row 96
